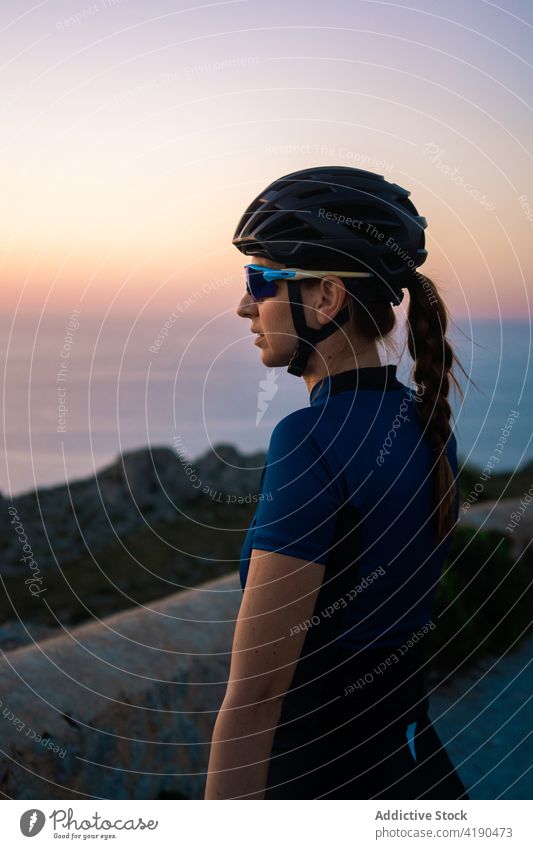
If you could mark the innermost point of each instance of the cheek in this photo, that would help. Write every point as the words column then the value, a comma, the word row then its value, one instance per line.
column 277, row 314
column 276, row 319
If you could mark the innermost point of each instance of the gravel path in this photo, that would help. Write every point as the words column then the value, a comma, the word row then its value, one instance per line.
column 484, row 719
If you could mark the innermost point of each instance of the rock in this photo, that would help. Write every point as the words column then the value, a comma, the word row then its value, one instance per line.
column 13, row 634
column 143, row 486
column 135, row 697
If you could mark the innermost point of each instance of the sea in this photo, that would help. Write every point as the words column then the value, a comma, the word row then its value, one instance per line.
column 80, row 389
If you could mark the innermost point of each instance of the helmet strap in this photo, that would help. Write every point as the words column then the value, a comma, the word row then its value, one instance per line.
column 308, row 336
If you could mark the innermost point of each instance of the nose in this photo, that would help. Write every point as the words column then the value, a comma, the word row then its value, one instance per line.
column 247, row 306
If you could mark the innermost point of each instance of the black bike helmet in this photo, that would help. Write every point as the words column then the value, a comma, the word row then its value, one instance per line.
column 335, row 218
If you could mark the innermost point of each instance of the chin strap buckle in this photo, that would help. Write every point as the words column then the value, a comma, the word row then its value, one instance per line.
column 300, row 357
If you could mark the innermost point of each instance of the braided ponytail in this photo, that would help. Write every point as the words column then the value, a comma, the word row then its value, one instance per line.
column 427, row 320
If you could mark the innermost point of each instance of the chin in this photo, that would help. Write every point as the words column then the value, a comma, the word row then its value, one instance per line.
column 274, row 359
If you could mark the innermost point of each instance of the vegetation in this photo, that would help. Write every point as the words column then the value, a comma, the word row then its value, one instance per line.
column 483, row 602
column 502, row 485
column 161, row 559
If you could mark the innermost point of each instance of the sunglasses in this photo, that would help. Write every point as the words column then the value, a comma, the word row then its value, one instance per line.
column 261, row 282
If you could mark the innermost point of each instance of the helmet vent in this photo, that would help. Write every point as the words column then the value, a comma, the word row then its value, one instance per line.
column 311, row 193
column 287, row 228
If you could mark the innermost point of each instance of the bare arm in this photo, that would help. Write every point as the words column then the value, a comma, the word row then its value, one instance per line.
column 280, row 593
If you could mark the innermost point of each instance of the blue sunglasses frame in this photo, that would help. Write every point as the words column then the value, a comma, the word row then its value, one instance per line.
column 261, row 281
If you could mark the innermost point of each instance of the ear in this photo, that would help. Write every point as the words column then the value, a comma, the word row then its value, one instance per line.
column 334, row 298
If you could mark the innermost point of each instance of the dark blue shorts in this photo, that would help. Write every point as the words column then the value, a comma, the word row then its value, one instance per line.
column 335, row 741
column 404, row 761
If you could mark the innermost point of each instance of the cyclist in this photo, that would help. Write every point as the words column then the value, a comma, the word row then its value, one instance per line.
column 360, row 495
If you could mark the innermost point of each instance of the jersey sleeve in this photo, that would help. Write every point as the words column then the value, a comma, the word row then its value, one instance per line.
column 300, row 494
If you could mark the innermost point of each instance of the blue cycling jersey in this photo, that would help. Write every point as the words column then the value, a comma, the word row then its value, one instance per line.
column 348, row 483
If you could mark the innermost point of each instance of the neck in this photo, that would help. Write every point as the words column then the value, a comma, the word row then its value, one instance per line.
column 319, row 367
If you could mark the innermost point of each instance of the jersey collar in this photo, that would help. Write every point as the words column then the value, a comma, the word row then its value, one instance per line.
column 372, row 377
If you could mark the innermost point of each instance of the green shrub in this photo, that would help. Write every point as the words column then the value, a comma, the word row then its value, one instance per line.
column 484, row 600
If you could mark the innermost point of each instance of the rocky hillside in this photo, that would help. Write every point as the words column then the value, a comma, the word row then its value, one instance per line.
column 140, row 488
column 152, row 523
column 148, row 525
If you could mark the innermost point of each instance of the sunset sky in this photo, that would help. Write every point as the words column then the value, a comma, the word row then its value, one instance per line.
column 134, row 134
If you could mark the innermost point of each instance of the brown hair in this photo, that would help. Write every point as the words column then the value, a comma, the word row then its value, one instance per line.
column 434, row 358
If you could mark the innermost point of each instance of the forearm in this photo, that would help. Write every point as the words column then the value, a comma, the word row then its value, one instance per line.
column 240, row 750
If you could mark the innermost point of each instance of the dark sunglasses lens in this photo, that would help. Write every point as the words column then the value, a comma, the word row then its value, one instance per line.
column 257, row 286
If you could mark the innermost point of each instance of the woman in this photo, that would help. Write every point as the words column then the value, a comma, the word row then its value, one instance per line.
column 359, row 498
